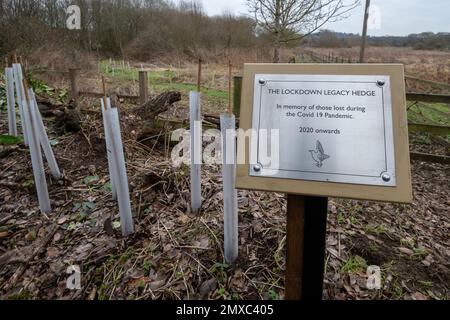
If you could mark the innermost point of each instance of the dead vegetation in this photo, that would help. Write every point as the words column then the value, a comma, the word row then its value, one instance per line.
column 177, row 255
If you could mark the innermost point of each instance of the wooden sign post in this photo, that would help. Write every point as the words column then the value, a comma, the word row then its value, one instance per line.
column 315, row 131
column 306, row 229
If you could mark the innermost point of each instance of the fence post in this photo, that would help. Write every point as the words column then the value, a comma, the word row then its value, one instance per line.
column 143, row 87
column 74, row 91
column 237, row 95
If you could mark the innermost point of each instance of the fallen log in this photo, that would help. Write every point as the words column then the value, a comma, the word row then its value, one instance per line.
column 150, row 110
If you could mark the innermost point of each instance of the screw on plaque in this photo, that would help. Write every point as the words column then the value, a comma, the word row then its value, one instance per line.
column 257, row 167
column 386, row 177
column 380, row 83
column 262, row 81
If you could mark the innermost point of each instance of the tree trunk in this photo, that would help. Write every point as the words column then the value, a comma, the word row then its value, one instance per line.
column 276, row 52
column 277, row 48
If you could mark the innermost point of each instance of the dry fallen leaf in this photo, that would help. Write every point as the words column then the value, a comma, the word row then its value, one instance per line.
column 419, row 296
column 406, row 251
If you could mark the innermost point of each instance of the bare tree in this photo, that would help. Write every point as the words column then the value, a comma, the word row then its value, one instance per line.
column 291, row 20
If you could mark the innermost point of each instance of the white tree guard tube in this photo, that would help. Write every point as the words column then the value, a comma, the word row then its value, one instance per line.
column 196, row 150
column 11, row 102
column 36, row 161
column 20, row 92
column 123, row 193
column 42, row 135
column 230, row 208
column 109, row 152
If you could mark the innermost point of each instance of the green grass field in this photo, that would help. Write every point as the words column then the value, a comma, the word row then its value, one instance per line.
column 162, row 80
column 430, row 113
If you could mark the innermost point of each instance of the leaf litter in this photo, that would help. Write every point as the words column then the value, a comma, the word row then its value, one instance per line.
column 175, row 254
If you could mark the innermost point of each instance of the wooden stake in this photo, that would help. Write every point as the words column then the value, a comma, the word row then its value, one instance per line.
column 74, row 91
column 199, row 76
column 230, row 107
column 237, row 92
column 105, row 97
column 25, row 88
column 143, row 87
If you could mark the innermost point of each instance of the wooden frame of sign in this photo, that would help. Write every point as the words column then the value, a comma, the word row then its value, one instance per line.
column 400, row 191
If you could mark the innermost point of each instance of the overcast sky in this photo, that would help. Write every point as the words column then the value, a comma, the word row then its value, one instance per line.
column 397, row 17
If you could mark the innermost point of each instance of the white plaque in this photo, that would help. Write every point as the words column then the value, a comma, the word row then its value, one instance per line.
column 332, row 128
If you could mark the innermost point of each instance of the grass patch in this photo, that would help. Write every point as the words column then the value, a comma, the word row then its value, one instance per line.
column 24, row 295
column 430, row 113
column 354, row 264
column 379, row 229
column 162, row 80
column 10, row 140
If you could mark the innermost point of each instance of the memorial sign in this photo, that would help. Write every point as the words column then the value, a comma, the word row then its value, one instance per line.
column 326, row 130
